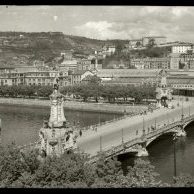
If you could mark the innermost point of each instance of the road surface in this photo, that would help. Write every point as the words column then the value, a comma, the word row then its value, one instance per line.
column 112, row 134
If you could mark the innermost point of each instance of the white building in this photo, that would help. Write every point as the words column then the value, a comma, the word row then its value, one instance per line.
column 182, row 47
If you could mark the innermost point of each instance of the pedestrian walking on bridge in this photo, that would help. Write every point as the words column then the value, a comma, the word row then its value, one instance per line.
column 80, row 132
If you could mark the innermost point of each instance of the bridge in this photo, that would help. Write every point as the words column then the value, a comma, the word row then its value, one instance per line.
column 134, row 134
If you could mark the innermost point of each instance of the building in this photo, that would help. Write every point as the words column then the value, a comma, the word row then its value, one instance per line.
column 157, row 40
column 151, row 63
column 67, row 54
column 181, row 81
column 136, row 43
column 45, row 78
column 4, row 69
column 77, row 76
column 42, row 78
column 174, row 61
column 68, row 64
column 181, row 47
column 107, row 50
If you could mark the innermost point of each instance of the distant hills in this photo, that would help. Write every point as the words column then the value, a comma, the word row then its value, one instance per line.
column 46, row 45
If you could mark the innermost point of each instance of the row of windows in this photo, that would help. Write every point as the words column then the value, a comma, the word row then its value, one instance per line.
column 184, row 86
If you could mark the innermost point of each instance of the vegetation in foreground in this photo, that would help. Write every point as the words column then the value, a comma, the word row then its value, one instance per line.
column 71, row 170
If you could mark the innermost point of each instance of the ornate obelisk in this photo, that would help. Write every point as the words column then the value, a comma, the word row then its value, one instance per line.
column 163, row 92
column 55, row 136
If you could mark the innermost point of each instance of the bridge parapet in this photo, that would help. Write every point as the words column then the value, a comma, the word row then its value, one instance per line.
column 146, row 139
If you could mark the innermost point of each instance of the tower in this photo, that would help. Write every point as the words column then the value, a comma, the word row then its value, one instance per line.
column 56, row 136
column 163, row 92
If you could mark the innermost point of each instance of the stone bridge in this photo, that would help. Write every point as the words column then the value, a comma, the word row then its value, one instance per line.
column 134, row 134
column 138, row 145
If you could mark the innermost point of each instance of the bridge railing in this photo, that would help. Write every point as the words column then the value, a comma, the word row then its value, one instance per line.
column 113, row 150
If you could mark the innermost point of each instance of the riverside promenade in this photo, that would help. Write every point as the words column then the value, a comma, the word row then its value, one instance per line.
column 82, row 106
column 113, row 134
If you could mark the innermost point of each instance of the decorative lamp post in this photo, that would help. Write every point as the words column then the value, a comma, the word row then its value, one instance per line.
column 174, row 143
column 122, row 137
column 143, row 126
column 100, row 143
column 182, row 115
column 155, row 123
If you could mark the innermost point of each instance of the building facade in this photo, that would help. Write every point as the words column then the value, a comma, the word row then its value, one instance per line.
column 77, row 76
column 151, row 63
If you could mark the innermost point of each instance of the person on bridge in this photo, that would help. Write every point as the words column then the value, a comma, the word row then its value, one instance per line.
column 80, row 132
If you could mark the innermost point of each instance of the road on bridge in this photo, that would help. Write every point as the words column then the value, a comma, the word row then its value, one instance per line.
column 112, row 134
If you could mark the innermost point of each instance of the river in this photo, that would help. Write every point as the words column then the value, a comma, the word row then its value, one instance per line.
column 21, row 125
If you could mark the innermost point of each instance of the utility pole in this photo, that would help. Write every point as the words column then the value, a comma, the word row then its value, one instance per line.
column 189, row 111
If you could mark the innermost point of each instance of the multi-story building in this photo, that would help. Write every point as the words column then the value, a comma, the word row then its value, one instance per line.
column 138, row 63
column 69, row 64
column 151, row 63
column 77, row 76
column 135, row 43
column 157, row 40
column 6, row 69
column 44, row 78
column 187, row 61
column 181, row 81
column 174, row 61
column 36, row 77
column 182, row 47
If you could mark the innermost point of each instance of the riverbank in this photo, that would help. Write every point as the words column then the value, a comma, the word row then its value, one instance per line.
column 83, row 106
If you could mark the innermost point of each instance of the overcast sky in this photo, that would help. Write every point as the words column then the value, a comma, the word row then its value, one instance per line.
column 102, row 22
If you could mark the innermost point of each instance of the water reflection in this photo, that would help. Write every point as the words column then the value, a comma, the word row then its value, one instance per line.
column 21, row 123
column 161, row 155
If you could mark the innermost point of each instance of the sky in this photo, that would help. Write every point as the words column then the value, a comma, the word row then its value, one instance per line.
column 102, row 22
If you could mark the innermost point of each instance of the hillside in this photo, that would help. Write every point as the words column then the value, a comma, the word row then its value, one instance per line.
column 45, row 45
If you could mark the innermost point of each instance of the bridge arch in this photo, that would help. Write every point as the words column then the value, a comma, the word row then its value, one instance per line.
column 187, row 124
column 151, row 140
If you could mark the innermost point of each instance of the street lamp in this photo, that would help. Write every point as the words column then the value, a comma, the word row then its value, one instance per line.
column 100, row 143
column 174, row 143
column 143, row 126
column 122, row 138
column 182, row 116
column 155, row 123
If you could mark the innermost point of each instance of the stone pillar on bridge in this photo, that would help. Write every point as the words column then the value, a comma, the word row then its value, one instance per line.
column 180, row 132
column 55, row 136
column 141, row 151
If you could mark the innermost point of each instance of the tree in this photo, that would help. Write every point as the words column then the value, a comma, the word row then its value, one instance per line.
column 184, row 180
column 142, row 174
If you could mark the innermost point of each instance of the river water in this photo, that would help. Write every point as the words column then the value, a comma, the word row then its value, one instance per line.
column 21, row 125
